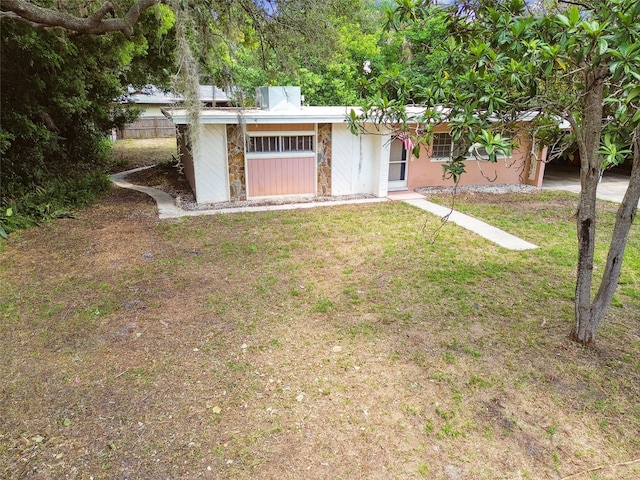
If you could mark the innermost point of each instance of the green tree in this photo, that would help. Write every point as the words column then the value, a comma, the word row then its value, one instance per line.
column 325, row 58
column 56, row 107
column 411, row 43
column 577, row 61
column 63, row 63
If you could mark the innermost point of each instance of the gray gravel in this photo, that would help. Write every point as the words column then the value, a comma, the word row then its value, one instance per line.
column 187, row 202
column 494, row 188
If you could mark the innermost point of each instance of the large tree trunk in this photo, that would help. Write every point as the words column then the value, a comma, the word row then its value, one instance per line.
column 624, row 219
column 588, row 138
column 588, row 315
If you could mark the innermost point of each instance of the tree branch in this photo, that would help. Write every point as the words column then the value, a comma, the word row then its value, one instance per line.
column 96, row 24
column 577, row 4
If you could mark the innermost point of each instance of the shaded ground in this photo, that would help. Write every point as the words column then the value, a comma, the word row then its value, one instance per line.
column 134, row 153
column 325, row 343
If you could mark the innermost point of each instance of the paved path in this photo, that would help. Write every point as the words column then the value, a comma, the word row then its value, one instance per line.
column 167, row 208
column 612, row 187
column 478, row 227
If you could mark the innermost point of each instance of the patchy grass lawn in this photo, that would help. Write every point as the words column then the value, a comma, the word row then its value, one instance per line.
column 336, row 342
column 133, row 153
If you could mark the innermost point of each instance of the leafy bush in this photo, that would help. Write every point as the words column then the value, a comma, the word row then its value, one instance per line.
column 57, row 107
column 56, row 199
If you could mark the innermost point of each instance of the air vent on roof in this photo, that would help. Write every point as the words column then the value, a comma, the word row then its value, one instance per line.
column 278, row 98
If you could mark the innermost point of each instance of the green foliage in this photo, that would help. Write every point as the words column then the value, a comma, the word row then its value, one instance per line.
column 491, row 61
column 57, row 107
column 54, row 200
column 611, row 153
column 319, row 46
column 410, row 44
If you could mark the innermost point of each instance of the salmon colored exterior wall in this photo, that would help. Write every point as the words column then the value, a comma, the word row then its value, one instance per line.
column 423, row 172
column 534, row 168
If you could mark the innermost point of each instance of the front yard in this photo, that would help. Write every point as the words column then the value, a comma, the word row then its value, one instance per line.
column 336, row 342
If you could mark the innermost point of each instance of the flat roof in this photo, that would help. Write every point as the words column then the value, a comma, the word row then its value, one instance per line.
column 305, row 114
column 151, row 94
column 232, row 115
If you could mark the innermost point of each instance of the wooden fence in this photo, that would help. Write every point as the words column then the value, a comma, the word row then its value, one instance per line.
column 149, row 127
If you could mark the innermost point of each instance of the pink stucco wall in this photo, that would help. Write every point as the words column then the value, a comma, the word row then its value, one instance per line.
column 423, row 172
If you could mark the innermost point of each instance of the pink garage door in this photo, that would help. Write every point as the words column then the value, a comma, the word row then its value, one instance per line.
column 281, row 176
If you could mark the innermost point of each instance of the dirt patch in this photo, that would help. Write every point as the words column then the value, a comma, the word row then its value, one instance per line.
column 165, row 177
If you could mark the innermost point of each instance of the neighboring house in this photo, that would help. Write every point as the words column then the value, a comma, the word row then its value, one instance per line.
column 285, row 149
column 151, row 99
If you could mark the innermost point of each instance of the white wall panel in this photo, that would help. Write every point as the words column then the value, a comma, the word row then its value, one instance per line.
column 344, row 148
column 212, row 173
column 359, row 163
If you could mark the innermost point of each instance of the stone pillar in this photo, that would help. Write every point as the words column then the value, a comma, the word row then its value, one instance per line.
column 235, row 155
column 324, row 159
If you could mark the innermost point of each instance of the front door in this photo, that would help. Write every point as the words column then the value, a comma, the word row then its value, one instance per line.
column 397, row 166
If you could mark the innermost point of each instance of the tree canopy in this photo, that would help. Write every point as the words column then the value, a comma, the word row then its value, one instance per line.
column 577, row 61
column 57, row 105
column 64, row 63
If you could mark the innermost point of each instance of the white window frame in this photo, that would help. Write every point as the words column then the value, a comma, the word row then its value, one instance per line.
column 452, row 146
column 482, row 153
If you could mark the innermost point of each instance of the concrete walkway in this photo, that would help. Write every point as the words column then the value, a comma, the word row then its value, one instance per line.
column 612, row 187
column 167, row 208
column 491, row 233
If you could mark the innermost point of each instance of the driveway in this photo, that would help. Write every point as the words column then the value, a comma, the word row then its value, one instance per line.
column 612, row 187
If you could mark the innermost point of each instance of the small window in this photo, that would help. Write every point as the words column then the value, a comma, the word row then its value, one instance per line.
column 444, row 149
column 284, row 143
column 263, row 144
column 442, row 144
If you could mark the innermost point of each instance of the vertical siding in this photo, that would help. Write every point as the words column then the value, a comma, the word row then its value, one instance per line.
column 381, row 187
column 211, row 171
column 281, row 176
column 359, row 162
column 345, row 151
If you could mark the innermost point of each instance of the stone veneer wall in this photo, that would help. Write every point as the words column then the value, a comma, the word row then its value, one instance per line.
column 324, row 159
column 235, row 155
